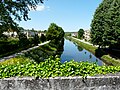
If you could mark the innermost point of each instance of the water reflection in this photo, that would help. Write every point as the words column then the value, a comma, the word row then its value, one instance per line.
column 73, row 51
column 90, row 56
column 79, row 48
column 44, row 52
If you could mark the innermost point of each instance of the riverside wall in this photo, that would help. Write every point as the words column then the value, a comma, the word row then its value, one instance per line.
column 61, row 83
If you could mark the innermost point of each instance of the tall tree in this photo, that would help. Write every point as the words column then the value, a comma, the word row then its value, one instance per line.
column 11, row 10
column 80, row 33
column 105, row 26
column 112, row 25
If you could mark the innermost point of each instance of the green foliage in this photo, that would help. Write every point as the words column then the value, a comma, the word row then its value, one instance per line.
column 110, row 60
column 105, row 26
column 52, row 67
column 43, row 38
column 80, row 33
column 36, row 39
column 3, row 37
column 8, row 45
column 67, row 34
column 16, row 60
column 23, row 41
column 15, row 10
column 55, row 33
column 41, row 53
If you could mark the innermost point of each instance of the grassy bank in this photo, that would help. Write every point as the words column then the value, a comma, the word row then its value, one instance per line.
column 106, row 58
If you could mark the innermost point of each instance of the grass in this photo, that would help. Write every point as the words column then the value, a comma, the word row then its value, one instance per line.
column 111, row 61
column 16, row 60
column 106, row 58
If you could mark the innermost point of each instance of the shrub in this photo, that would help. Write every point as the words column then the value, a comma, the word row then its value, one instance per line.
column 52, row 67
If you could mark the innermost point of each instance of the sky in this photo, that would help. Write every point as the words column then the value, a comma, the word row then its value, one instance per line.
column 71, row 15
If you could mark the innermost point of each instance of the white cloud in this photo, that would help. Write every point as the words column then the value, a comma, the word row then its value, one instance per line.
column 40, row 8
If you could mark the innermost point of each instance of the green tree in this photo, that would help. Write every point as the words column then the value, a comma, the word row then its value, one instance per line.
column 112, row 25
column 23, row 41
column 80, row 33
column 105, row 26
column 11, row 10
column 54, row 32
column 42, row 38
column 36, row 39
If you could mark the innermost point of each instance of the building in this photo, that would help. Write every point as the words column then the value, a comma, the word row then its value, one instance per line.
column 74, row 34
column 86, row 35
column 10, row 34
column 30, row 33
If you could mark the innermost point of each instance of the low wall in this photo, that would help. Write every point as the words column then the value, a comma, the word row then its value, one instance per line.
column 62, row 83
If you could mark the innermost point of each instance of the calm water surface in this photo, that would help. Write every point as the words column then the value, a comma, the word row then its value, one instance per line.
column 73, row 51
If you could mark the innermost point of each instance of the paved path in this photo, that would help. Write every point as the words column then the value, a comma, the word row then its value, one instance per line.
column 22, row 52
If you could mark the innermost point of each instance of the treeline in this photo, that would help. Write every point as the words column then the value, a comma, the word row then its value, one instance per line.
column 12, row 45
column 56, row 36
column 105, row 27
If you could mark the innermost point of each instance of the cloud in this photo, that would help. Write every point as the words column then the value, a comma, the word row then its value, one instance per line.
column 40, row 8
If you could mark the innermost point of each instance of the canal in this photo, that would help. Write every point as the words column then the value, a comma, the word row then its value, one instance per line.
column 73, row 51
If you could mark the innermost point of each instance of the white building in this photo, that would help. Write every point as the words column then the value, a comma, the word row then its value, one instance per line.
column 10, row 34
column 87, row 35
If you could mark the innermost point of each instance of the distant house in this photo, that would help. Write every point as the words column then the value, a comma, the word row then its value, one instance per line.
column 30, row 33
column 10, row 34
column 87, row 35
column 40, row 33
column 74, row 34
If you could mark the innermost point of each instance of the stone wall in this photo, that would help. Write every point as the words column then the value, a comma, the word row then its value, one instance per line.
column 62, row 83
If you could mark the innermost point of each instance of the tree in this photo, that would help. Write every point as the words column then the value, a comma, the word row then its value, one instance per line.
column 112, row 25
column 11, row 10
column 54, row 32
column 42, row 38
column 36, row 39
column 23, row 41
column 105, row 26
column 80, row 33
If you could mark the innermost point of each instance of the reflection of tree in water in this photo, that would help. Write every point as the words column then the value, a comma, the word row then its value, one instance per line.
column 96, row 60
column 43, row 52
column 90, row 56
column 79, row 48
column 60, row 47
column 39, row 54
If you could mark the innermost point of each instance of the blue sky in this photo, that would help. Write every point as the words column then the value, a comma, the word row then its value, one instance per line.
column 71, row 15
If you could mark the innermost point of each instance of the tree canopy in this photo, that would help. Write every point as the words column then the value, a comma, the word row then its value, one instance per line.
column 11, row 10
column 54, row 32
column 105, row 26
column 80, row 33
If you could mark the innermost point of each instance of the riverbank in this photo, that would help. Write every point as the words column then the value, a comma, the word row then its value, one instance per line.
column 106, row 58
column 22, row 52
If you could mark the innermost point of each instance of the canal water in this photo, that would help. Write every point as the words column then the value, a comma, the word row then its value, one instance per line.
column 73, row 51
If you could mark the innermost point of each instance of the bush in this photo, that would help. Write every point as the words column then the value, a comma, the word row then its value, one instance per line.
column 23, row 41
column 52, row 67
column 42, row 38
column 36, row 39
